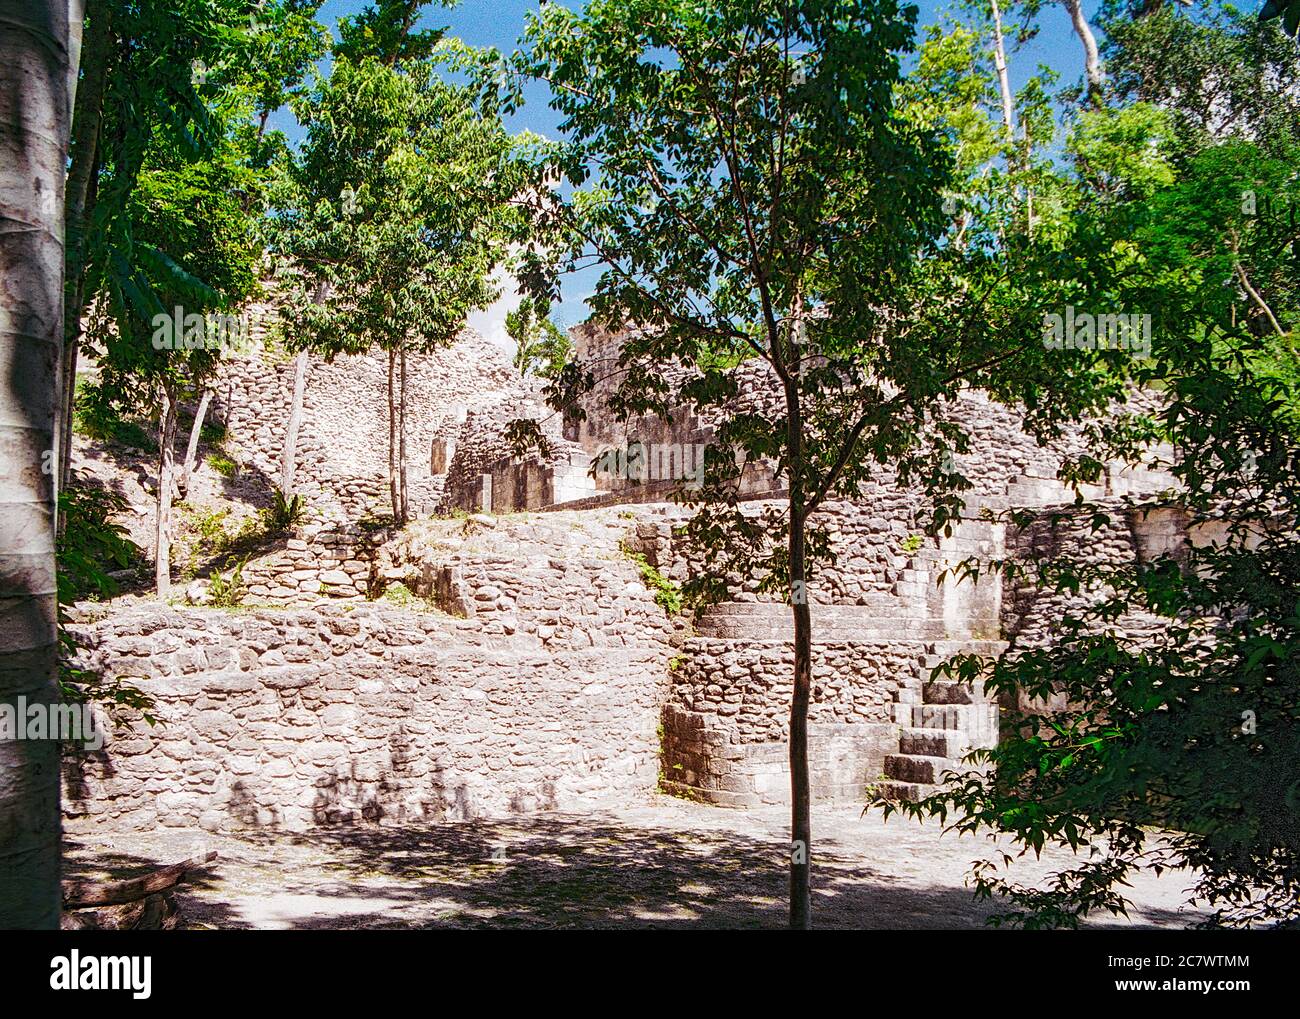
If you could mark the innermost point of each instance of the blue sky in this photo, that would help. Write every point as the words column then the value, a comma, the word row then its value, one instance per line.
column 500, row 22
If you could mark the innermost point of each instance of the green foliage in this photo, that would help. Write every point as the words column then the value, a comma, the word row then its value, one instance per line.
column 96, row 418
column 912, row 544
column 1176, row 750
column 1125, row 148
column 1287, row 10
column 402, row 596
column 228, row 593
column 222, row 464
column 392, row 219
column 90, row 546
column 383, row 30
column 212, row 432
column 283, row 514
column 667, row 593
column 541, row 347
column 1214, row 67
column 206, row 536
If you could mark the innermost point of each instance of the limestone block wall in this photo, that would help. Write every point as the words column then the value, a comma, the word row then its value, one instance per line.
column 748, row 685
column 726, row 723
column 323, row 561
column 296, row 718
column 480, row 447
column 342, row 452
column 1032, row 614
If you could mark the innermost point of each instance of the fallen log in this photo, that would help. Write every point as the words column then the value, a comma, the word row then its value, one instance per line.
column 158, row 912
column 81, row 894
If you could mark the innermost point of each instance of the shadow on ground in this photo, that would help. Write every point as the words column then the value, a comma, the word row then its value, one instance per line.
column 573, row 871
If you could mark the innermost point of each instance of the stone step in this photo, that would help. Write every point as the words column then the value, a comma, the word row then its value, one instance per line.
column 950, row 743
column 945, row 691
column 875, row 605
column 867, row 628
column 968, row 646
column 910, row 792
column 914, row 768
column 978, row 722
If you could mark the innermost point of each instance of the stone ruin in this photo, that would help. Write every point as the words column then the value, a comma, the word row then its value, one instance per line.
column 533, row 669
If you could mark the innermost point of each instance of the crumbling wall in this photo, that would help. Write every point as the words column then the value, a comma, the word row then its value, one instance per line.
column 295, row 719
column 342, row 450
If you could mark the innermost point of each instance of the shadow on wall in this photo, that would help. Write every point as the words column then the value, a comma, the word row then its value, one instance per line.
column 357, row 793
column 74, row 765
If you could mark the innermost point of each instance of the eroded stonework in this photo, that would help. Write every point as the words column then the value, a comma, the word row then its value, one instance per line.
column 546, row 698
column 500, row 661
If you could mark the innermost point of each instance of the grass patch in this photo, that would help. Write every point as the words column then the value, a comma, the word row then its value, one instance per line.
column 223, row 465
column 209, row 534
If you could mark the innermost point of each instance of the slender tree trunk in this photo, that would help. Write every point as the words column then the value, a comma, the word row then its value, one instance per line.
column 800, row 787
column 78, row 203
column 34, row 78
column 289, row 458
column 1004, row 80
column 76, row 26
column 392, row 438
column 192, row 448
column 1091, row 56
column 401, row 442
column 800, row 791
column 166, row 479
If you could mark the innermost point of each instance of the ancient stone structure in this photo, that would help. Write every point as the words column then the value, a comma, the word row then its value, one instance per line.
column 527, row 664
column 545, row 695
column 342, row 461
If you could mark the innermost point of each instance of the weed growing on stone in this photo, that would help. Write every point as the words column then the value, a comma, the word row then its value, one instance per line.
column 222, row 464
column 667, row 594
column 223, row 593
column 400, row 596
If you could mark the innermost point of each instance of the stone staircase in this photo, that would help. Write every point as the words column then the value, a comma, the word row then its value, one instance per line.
column 939, row 727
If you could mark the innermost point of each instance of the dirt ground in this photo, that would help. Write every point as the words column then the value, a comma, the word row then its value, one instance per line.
column 660, row 862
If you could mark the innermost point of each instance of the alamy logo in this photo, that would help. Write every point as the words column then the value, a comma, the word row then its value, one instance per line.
column 653, row 461
column 75, row 972
column 73, row 723
column 179, row 331
column 1084, row 331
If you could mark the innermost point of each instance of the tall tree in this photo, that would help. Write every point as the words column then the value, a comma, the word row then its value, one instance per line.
column 395, row 215
column 1217, row 69
column 1287, row 10
column 179, row 176
column 1182, row 204
column 753, row 192
column 541, row 347
column 34, row 123
column 138, row 89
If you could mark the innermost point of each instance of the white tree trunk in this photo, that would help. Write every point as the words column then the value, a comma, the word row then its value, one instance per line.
column 83, row 173
column 1091, row 57
column 33, row 157
column 392, row 437
column 289, row 458
column 192, row 448
column 166, row 480
column 1004, row 80
column 401, row 443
